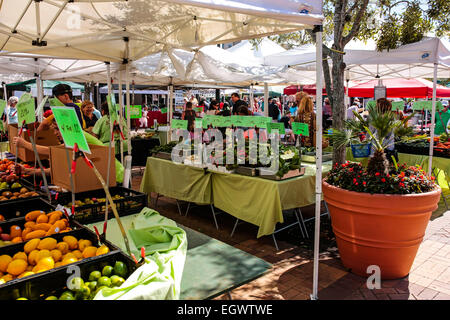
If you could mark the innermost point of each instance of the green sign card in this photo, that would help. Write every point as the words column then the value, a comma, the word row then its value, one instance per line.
column 207, row 120
column 163, row 110
column 300, row 128
column 398, row 105
column 135, row 112
column 276, row 126
column 198, row 109
column 25, row 109
column 70, row 128
column 426, row 105
column 371, row 103
column 113, row 108
column 2, row 106
column 198, row 123
column 261, row 122
column 54, row 102
column 179, row 124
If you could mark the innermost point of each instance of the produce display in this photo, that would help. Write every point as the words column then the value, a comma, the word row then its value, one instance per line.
column 420, row 144
column 144, row 135
column 167, row 148
column 40, row 255
column 38, row 224
column 89, row 201
column 85, row 288
column 22, row 193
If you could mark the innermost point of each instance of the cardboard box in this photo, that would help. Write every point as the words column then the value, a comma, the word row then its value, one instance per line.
column 44, row 138
column 84, row 178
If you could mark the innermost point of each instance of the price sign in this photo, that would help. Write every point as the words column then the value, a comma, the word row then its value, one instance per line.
column 54, row 102
column 2, row 106
column 163, row 110
column 371, row 103
column 198, row 109
column 426, row 105
column 261, row 122
column 398, row 105
column 135, row 112
column 25, row 109
column 179, row 124
column 112, row 106
column 300, row 128
column 198, row 123
column 276, row 126
column 70, row 128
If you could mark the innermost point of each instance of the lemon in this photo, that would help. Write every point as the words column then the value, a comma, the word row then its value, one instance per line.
column 95, row 275
column 107, row 271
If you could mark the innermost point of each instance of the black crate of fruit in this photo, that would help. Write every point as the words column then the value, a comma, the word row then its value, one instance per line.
column 19, row 208
column 81, row 232
column 5, row 227
column 131, row 203
column 55, row 282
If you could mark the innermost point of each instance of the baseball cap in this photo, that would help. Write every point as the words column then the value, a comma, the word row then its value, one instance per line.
column 60, row 89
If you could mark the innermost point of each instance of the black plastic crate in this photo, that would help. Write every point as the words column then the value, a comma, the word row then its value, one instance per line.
column 54, row 283
column 81, row 232
column 133, row 202
column 6, row 225
column 20, row 207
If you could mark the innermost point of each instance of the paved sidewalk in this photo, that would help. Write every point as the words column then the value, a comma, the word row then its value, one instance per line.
column 291, row 275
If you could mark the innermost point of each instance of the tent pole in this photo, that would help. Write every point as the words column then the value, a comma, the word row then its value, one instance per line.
column 266, row 99
column 108, row 81
column 318, row 159
column 120, row 114
column 347, row 98
column 433, row 119
column 169, row 113
column 126, row 182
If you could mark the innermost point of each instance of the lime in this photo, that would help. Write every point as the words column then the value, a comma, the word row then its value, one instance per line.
column 91, row 285
column 107, row 271
column 75, row 283
column 67, row 295
column 104, row 281
column 117, row 281
column 83, row 293
column 21, row 298
column 51, row 298
column 120, row 269
column 99, row 289
column 94, row 275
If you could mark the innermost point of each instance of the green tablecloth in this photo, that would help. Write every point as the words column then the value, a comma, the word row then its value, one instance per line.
column 177, row 181
column 260, row 201
column 255, row 200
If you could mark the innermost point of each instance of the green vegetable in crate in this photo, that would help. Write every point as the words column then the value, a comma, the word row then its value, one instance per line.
column 116, row 281
column 107, row 271
column 104, row 281
column 95, row 275
column 120, row 269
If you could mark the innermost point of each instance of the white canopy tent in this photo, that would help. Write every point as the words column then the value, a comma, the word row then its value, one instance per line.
column 265, row 48
column 125, row 31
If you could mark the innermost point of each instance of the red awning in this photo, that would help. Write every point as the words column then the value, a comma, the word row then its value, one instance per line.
column 308, row 88
column 400, row 88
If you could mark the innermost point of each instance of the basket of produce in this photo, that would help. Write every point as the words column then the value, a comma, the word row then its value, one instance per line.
column 19, row 208
column 90, row 205
column 36, row 223
column 41, row 256
column 164, row 151
column 108, row 270
column 247, row 171
column 309, row 155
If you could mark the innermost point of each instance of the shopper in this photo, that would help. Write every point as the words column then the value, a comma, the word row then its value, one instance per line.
column 237, row 102
column 143, row 121
column 442, row 120
column 274, row 111
column 189, row 115
column 327, row 114
column 11, row 110
column 214, row 108
column 102, row 131
column 87, row 107
column 306, row 115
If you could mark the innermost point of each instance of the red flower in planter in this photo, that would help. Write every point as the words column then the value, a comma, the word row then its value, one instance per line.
column 383, row 180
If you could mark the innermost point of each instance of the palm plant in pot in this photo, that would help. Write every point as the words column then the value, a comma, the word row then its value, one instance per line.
column 380, row 212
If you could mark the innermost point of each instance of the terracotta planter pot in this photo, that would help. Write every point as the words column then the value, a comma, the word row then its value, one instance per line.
column 379, row 229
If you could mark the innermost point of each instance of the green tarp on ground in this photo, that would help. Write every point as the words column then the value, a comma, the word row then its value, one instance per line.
column 165, row 248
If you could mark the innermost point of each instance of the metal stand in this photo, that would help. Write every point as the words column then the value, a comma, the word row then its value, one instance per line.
column 212, row 210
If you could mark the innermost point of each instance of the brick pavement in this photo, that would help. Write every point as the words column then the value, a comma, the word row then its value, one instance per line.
column 291, row 275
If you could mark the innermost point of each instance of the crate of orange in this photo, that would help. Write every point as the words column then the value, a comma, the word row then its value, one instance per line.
column 41, row 257
column 35, row 224
column 19, row 208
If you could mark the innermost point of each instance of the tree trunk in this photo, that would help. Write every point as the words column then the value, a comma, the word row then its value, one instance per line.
column 338, row 105
column 88, row 88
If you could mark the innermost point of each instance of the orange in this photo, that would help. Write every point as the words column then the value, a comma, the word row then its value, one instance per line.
column 4, row 262
column 17, row 267
column 31, row 245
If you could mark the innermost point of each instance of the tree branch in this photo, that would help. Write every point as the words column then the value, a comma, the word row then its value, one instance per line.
column 357, row 23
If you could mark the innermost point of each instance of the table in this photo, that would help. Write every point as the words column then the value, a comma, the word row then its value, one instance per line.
column 255, row 200
column 177, row 181
column 262, row 201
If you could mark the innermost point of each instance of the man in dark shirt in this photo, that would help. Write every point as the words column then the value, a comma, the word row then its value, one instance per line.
column 63, row 93
column 274, row 111
column 237, row 103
